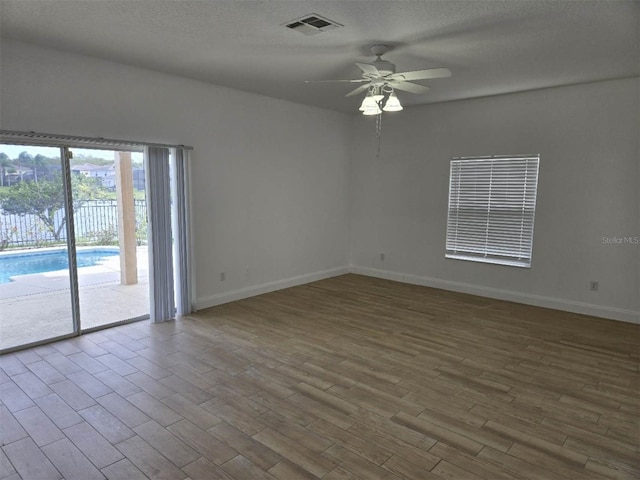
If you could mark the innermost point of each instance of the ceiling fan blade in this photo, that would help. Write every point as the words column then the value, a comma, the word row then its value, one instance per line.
column 358, row 90
column 369, row 69
column 357, row 80
column 421, row 74
column 409, row 87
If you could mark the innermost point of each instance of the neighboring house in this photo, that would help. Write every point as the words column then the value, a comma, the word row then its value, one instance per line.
column 105, row 173
column 14, row 175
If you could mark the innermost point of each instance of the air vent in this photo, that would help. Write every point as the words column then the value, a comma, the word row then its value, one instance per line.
column 312, row 24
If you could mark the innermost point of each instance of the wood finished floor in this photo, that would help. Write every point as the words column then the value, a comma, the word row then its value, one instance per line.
column 346, row 378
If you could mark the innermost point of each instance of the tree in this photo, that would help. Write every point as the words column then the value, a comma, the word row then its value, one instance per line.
column 25, row 158
column 39, row 165
column 5, row 165
column 45, row 198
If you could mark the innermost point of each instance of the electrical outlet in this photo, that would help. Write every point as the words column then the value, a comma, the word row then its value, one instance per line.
column 222, row 276
column 382, row 257
column 594, row 286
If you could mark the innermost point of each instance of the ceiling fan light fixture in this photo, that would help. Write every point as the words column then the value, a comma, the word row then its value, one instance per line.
column 366, row 100
column 380, row 80
column 393, row 103
column 371, row 103
column 373, row 109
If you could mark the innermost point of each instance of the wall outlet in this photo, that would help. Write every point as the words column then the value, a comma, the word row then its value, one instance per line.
column 222, row 276
column 594, row 285
column 382, row 257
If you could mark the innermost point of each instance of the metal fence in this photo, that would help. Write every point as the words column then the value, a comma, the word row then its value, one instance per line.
column 96, row 222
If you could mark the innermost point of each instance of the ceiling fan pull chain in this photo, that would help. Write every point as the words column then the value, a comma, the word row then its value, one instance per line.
column 379, row 131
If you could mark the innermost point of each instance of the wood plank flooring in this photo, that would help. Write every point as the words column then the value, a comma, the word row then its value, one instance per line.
column 346, row 378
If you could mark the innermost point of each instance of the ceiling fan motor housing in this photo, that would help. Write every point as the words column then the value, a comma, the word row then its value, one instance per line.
column 385, row 68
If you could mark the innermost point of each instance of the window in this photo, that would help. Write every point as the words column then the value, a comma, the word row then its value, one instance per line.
column 492, row 203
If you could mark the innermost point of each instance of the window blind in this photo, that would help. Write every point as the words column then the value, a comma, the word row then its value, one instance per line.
column 492, row 202
column 181, row 231
column 159, row 231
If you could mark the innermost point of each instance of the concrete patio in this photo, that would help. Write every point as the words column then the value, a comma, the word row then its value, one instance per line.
column 38, row 306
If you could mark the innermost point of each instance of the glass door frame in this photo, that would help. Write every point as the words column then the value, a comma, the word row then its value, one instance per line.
column 74, row 288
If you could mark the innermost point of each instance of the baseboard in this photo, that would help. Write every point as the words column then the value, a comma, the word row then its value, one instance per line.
column 239, row 294
column 611, row 313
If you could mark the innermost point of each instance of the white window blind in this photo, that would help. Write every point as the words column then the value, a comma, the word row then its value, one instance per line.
column 160, row 235
column 171, row 283
column 492, row 203
column 181, row 231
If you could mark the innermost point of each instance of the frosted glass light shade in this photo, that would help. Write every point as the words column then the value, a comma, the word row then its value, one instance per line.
column 393, row 104
column 370, row 105
column 372, row 110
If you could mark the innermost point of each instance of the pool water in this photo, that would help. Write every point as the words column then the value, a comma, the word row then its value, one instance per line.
column 38, row 262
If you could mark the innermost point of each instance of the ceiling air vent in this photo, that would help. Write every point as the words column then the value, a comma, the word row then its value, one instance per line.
column 312, row 24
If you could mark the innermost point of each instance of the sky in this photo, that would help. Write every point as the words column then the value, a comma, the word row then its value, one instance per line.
column 13, row 151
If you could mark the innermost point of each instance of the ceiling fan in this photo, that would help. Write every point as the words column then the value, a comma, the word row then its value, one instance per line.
column 380, row 80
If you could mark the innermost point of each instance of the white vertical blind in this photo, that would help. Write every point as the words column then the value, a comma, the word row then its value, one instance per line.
column 159, row 230
column 181, row 228
column 492, row 204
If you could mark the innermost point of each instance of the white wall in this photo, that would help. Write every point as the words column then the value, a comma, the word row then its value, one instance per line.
column 270, row 178
column 273, row 193
column 587, row 137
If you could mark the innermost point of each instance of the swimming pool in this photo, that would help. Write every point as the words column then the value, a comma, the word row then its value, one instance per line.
column 24, row 263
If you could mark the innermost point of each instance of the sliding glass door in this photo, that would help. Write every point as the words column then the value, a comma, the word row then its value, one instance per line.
column 89, row 230
column 73, row 241
column 35, row 277
column 110, row 219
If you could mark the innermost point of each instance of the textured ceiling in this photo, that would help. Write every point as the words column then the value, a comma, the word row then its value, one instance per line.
column 491, row 46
